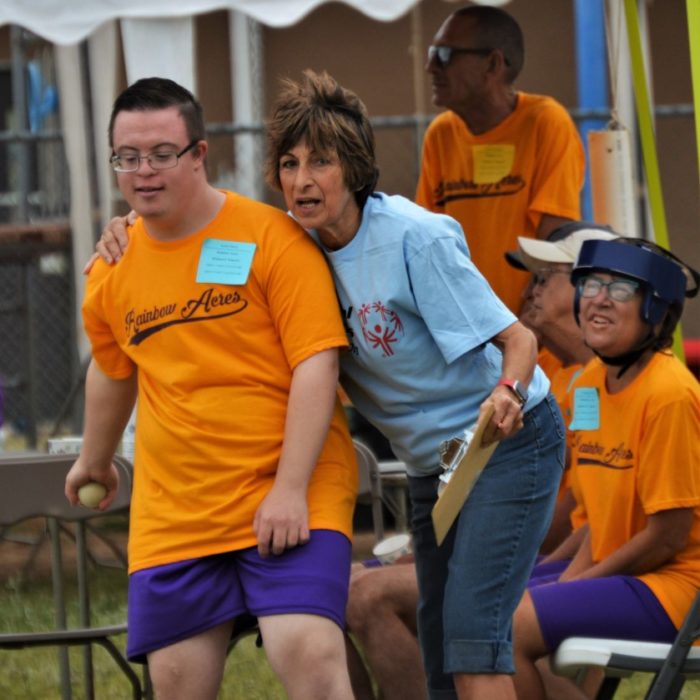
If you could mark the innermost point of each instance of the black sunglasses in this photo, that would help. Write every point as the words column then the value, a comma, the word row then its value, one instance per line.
column 444, row 54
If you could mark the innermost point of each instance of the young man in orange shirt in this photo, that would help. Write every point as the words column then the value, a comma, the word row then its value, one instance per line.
column 244, row 474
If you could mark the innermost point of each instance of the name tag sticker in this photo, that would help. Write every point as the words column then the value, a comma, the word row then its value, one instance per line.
column 586, row 409
column 492, row 163
column 225, row 262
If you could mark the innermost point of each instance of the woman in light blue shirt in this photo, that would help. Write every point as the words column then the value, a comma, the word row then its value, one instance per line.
column 431, row 347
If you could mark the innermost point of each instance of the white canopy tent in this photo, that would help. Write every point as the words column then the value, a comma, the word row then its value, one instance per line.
column 70, row 22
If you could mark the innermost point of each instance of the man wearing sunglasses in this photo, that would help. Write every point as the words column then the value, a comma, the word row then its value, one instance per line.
column 504, row 163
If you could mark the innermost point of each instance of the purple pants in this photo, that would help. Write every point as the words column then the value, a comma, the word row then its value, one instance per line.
column 615, row 607
column 176, row 601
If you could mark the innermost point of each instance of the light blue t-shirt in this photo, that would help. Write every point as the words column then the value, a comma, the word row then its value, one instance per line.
column 419, row 316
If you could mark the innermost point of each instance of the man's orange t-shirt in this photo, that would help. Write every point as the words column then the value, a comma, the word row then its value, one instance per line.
column 215, row 364
column 499, row 184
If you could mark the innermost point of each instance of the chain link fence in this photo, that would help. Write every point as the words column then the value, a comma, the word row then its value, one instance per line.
column 37, row 343
column 37, row 352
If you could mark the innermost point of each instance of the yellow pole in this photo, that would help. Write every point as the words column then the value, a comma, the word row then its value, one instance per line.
column 693, row 8
column 646, row 135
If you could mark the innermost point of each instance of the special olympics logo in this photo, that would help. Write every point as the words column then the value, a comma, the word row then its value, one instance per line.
column 381, row 327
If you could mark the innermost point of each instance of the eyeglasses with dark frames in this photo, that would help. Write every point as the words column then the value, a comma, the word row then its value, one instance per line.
column 443, row 54
column 618, row 290
column 158, row 160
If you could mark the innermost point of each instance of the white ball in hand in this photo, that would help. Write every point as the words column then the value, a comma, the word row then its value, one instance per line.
column 91, row 494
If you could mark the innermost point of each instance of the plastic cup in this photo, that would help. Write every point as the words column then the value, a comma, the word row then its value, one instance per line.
column 392, row 548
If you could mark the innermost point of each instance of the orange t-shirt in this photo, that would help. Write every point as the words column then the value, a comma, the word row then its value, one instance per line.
column 499, row 184
column 561, row 382
column 642, row 459
column 215, row 364
column 549, row 363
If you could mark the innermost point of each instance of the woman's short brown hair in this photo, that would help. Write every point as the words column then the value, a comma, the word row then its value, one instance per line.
column 327, row 117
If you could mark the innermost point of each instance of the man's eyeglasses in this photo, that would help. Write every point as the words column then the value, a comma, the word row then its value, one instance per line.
column 541, row 276
column 618, row 290
column 158, row 160
column 443, row 54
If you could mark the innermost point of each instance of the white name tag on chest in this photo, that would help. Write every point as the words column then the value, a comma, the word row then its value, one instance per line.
column 225, row 262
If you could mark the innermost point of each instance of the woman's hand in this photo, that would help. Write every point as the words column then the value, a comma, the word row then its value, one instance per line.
column 519, row 348
column 113, row 242
column 507, row 416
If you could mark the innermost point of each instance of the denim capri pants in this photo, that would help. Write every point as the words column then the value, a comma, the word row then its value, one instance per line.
column 470, row 586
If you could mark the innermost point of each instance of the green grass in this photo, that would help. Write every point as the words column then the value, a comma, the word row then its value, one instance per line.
column 29, row 674
column 32, row 674
column 635, row 687
column 27, row 605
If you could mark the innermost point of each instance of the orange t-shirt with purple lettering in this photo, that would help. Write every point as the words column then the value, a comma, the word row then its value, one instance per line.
column 642, row 458
column 215, row 361
column 500, row 183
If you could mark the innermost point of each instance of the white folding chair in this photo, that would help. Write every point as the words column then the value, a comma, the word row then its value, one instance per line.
column 394, row 481
column 671, row 664
column 370, row 486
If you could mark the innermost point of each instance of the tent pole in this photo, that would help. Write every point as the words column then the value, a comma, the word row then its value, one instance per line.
column 418, row 59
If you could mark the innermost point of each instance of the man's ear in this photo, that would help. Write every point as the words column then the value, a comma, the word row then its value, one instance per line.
column 199, row 152
column 497, row 62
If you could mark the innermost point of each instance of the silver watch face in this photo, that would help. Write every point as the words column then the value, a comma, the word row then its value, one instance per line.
column 520, row 391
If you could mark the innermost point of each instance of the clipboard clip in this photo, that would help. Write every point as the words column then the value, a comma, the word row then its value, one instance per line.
column 451, row 453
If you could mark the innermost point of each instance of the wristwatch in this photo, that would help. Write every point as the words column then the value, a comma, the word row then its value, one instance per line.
column 517, row 388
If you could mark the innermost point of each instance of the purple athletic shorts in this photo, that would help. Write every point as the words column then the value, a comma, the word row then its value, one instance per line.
column 176, row 601
column 615, row 607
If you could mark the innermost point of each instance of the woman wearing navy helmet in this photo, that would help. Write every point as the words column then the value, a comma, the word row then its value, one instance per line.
column 662, row 281
column 633, row 570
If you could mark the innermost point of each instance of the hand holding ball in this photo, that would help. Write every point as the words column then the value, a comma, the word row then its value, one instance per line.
column 91, row 494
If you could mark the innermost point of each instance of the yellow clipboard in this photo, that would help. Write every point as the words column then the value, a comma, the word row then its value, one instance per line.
column 455, row 494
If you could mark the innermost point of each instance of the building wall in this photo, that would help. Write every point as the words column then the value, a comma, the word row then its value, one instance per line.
column 375, row 58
